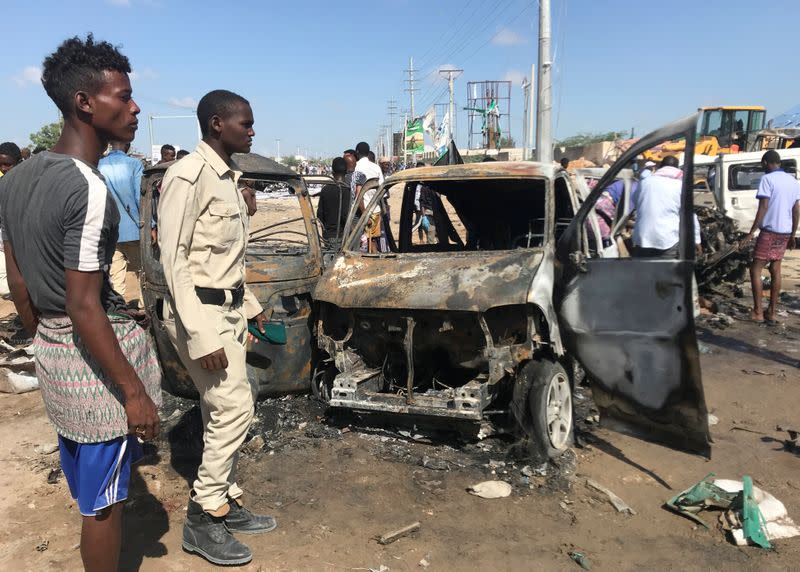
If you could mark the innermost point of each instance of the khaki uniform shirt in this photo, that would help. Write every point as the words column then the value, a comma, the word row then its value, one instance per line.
column 202, row 232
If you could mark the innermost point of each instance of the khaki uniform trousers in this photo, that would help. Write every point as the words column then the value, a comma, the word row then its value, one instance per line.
column 127, row 258
column 226, row 403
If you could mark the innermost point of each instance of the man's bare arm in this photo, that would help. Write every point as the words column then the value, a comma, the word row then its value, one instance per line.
column 19, row 292
column 92, row 325
column 763, row 205
column 795, row 219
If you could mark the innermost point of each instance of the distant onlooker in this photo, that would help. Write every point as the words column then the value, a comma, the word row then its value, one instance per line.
column 123, row 175
column 372, row 158
column 564, row 163
column 776, row 220
column 334, row 203
column 167, row 153
column 648, row 170
column 423, row 205
column 26, row 153
column 181, row 154
column 10, row 156
column 658, row 213
column 366, row 170
column 350, row 159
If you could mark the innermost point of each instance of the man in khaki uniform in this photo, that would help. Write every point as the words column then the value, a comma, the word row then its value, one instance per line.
column 203, row 234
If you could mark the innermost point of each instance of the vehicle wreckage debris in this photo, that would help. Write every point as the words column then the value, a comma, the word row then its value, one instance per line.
column 491, row 489
column 751, row 516
column 581, row 559
column 390, row 537
column 616, row 502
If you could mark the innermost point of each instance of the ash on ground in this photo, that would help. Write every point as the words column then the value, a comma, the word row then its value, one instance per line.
column 299, row 424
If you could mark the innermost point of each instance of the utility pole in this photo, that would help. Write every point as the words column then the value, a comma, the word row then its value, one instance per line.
column 451, row 75
column 526, row 109
column 392, row 107
column 411, row 89
column 381, row 140
column 278, row 156
column 544, row 136
column 405, row 143
column 531, row 115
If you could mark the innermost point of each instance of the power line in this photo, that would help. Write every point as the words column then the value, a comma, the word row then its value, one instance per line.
column 478, row 29
column 454, row 32
column 493, row 36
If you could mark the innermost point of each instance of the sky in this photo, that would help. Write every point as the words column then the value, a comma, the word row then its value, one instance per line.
column 319, row 75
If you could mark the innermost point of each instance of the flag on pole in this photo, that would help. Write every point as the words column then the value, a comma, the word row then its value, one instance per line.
column 415, row 140
column 442, row 136
column 429, row 122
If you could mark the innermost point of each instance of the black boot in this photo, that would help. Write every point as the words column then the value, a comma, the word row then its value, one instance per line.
column 208, row 536
column 239, row 519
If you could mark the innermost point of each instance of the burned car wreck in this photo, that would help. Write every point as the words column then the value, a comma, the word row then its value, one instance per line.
column 283, row 265
column 486, row 322
column 481, row 317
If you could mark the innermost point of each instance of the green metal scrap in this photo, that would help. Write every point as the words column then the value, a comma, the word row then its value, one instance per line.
column 753, row 523
column 705, row 495
column 699, row 497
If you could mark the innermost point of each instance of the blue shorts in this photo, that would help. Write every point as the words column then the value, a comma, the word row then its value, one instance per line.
column 99, row 474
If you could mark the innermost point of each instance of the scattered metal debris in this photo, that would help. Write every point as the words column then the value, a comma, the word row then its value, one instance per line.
column 390, row 537
column 617, row 502
column 581, row 559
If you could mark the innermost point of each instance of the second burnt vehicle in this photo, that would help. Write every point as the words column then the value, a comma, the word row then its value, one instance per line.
column 483, row 323
column 283, row 260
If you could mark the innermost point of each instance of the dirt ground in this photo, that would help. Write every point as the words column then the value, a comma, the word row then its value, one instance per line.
column 334, row 483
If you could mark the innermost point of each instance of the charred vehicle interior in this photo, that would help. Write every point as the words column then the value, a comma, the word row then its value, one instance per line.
column 444, row 327
column 483, row 319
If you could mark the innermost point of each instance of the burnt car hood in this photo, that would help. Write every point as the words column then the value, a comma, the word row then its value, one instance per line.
column 465, row 281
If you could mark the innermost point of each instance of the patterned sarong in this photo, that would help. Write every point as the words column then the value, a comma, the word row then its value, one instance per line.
column 770, row 245
column 83, row 404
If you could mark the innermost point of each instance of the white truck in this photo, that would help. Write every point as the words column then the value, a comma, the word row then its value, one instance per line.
column 730, row 182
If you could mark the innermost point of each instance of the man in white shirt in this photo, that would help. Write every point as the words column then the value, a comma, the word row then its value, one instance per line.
column 364, row 171
column 658, row 213
column 776, row 220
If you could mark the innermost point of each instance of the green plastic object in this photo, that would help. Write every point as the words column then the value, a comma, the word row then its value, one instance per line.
column 274, row 332
column 698, row 497
column 753, row 523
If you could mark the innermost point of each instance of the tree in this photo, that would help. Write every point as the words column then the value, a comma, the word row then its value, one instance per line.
column 290, row 161
column 582, row 139
column 506, row 142
column 47, row 136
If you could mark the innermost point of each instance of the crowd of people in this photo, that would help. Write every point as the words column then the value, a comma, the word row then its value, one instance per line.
column 70, row 232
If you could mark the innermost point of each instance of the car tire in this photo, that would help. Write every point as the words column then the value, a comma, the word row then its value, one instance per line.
column 322, row 382
column 549, row 420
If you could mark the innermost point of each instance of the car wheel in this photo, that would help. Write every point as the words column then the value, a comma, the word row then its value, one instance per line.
column 322, row 382
column 550, row 422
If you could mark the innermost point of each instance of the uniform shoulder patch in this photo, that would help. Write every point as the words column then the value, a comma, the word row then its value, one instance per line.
column 187, row 168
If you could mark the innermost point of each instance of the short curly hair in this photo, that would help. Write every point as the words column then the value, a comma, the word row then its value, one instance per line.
column 77, row 65
column 12, row 150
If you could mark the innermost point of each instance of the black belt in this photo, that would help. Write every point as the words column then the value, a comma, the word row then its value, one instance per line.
column 217, row 297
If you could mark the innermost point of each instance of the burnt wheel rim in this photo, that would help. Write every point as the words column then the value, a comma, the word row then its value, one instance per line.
column 559, row 411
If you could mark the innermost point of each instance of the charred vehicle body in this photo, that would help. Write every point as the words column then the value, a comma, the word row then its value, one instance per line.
column 479, row 316
column 283, row 266
column 483, row 322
